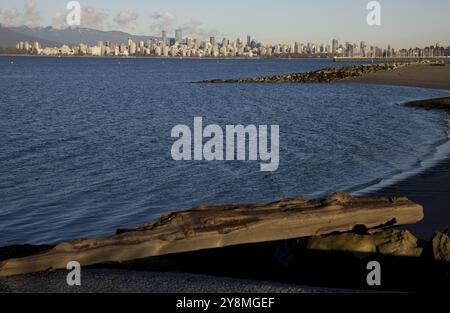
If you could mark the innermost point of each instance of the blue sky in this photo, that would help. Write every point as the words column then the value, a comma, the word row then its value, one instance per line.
column 405, row 23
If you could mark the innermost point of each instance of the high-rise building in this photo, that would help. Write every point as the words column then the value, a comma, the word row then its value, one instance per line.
column 363, row 48
column 212, row 41
column 334, row 46
column 132, row 48
column 189, row 42
column 179, row 35
column 348, row 49
column 197, row 43
column 164, row 37
column 249, row 40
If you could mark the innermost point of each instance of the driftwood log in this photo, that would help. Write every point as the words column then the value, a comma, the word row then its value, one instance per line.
column 209, row 227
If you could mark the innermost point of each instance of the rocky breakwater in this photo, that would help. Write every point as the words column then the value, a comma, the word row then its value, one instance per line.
column 326, row 75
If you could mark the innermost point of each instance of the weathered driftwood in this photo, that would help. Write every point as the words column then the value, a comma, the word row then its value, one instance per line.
column 219, row 226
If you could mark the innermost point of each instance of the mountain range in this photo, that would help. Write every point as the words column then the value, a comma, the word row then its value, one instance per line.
column 51, row 37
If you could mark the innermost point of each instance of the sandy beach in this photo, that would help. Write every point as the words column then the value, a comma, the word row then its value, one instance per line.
column 417, row 75
column 430, row 188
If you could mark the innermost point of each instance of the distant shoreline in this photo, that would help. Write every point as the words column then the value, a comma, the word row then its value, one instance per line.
column 164, row 58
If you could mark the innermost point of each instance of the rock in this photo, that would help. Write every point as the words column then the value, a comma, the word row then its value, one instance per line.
column 441, row 246
column 398, row 243
column 391, row 242
column 343, row 242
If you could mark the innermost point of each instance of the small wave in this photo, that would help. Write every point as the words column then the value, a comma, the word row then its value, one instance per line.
column 439, row 153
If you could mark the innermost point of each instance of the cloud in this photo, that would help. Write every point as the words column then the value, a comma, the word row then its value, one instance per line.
column 11, row 18
column 90, row 18
column 30, row 16
column 124, row 17
column 165, row 16
column 195, row 28
column 164, row 21
column 59, row 20
column 93, row 18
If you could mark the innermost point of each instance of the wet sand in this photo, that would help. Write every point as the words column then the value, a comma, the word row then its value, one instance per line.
column 420, row 75
column 431, row 189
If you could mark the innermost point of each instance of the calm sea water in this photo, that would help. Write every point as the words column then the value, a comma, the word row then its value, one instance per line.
column 85, row 143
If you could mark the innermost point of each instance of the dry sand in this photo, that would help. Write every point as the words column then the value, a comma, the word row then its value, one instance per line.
column 420, row 75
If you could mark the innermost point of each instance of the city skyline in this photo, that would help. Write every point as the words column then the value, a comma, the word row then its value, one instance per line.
column 179, row 46
column 404, row 23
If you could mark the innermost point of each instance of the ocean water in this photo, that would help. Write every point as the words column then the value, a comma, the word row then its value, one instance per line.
column 85, row 143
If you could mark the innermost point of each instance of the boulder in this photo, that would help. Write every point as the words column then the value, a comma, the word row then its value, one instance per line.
column 391, row 242
column 441, row 246
column 398, row 243
column 348, row 242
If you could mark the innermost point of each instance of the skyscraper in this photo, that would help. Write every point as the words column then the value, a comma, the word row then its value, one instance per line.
column 348, row 50
column 249, row 40
column 335, row 46
column 197, row 43
column 179, row 35
column 363, row 48
column 164, row 37
column 212, row 40
column 296, row 48
column 189, row 42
